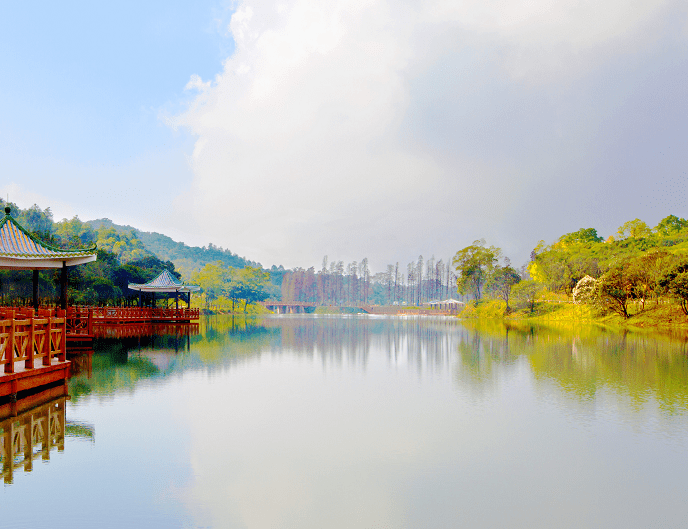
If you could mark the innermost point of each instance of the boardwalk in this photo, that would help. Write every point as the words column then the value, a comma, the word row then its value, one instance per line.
column 123, row 315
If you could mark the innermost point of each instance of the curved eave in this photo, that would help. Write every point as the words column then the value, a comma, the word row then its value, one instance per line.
column 35, row 262
column 183, row 288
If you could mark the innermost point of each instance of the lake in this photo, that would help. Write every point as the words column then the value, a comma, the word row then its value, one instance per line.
column 368, row 422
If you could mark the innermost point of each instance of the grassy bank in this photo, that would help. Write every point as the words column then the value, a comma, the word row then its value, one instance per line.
column 337, row 310
column 653, row 315
column 250, row 310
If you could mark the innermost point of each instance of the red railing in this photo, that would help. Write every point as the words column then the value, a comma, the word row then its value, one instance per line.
column 26, row 336
column 81, row 320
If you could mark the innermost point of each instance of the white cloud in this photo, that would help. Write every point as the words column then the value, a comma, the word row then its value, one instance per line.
column 308, row 142
column 196, row 83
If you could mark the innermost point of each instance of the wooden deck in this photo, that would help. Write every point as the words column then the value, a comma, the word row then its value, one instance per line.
column 40, row 375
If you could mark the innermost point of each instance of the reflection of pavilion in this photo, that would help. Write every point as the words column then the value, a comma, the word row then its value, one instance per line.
column 29, row 428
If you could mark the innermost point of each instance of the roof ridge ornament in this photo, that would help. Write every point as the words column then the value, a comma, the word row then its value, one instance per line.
column 21, row 249
column 164, row 282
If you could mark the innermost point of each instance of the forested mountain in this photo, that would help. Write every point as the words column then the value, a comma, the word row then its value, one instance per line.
column 187, row 259
column 127, row 255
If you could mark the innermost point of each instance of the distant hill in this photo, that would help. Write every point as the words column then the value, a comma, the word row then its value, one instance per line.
column 186, row 259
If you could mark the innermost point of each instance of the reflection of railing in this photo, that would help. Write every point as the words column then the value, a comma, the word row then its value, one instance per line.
column 26, row 435
column 135, row 330
column 81, row 320
column 34, row 339
column 81, row 359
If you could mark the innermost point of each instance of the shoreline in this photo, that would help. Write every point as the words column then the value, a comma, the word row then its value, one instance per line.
column 660, row 316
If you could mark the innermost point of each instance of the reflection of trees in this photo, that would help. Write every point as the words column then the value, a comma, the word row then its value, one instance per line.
column 223, row 339
column 580, row 359
column 633, row 364
column 420, row 342
column 112, row 369
column 332, row 339
column 485, row 350
column 424, row 343
column 583, row 358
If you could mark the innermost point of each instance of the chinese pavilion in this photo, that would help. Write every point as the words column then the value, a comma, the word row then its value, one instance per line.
column 166, row 283
column 21, row 250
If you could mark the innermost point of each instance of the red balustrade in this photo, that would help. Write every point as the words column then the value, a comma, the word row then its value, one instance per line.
column 81, row 320
column 26, row 336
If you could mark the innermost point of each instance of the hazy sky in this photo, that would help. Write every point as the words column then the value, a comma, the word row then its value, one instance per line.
column 285, row 131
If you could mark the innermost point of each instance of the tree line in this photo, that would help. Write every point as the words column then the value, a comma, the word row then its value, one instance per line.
column 633, row 267
column 354, row 283
column 231, row 289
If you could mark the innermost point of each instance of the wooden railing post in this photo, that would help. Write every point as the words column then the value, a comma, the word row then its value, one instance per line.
column 9, row 348
column 28, row 363
column 63, row 350
column 46, row 343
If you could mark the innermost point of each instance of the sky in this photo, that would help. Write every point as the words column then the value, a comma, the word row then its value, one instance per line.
column 286, row 131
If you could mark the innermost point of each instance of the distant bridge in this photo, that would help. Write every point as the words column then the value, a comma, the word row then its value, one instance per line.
column 289, row 307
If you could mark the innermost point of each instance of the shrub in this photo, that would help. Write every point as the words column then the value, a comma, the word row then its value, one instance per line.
column 585, row 290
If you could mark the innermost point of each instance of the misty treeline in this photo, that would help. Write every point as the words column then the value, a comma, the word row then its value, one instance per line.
column 354, row 283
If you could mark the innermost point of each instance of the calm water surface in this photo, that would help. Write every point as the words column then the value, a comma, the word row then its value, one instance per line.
column 366, row 422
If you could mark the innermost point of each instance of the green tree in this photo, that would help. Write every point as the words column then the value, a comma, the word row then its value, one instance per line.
column 73, row 232
column 474, row 265
column 616, row 289
column 635, row 229
column 679, row 290
column 214, row 280
column 582, row 236
column 501, row 281
column 526, row 292
column 671, row 225
column 249, row 285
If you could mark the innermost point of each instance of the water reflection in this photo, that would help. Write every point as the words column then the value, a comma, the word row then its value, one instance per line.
column 288, row 421
column 581, row 360
column 31, row 428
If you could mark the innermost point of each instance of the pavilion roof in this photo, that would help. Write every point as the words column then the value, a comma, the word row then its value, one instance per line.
column 21, row 249
column 165, row 282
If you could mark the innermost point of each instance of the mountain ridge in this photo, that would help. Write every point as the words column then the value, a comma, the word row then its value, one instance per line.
column 185, row 258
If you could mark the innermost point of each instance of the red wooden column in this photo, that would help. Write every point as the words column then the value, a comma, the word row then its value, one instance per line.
column 64, row 278
column 35, row 289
